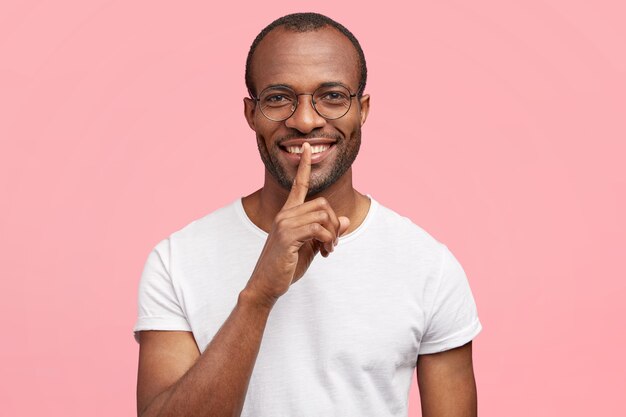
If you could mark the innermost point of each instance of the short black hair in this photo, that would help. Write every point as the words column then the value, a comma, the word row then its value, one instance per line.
column 306, row 22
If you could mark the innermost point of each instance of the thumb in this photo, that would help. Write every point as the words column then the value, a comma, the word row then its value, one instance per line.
column 344, row 222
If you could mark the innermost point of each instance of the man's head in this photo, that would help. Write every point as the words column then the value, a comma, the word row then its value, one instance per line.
column 297, row 54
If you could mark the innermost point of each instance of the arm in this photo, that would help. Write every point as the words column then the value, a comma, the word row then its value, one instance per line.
column 175, row 380
column 446, row 383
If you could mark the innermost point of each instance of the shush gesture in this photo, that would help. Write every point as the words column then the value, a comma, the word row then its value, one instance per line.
column 300, row 230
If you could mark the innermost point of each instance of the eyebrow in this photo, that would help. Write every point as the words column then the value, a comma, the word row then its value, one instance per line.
column 333, row 84
column 278, row 86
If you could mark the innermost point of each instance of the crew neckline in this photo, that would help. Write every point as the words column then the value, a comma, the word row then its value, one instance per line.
column 344, row 239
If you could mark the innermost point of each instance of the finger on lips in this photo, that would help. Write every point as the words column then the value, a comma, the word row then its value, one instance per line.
column 300, row 186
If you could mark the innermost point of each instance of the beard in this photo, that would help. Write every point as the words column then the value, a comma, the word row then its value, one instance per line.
column 346, row 151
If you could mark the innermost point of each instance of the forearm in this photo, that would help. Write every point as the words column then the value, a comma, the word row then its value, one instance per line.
column 217, row 383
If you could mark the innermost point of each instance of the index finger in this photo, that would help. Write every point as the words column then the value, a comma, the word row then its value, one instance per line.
column 300, row 186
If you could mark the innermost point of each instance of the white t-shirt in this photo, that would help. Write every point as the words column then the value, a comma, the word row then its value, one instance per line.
column 344, row 339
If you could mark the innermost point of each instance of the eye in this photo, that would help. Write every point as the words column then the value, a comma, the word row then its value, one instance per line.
column 333, row 95
column 276, row 99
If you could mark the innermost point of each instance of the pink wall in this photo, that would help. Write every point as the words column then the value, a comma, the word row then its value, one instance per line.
column 498, row 128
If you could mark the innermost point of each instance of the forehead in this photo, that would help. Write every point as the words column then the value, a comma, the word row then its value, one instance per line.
column 304, row 60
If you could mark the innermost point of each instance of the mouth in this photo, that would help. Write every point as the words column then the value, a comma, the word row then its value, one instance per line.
column 295, row 149
column 319, row 150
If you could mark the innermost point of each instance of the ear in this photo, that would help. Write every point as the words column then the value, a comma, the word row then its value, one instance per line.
column 249, row 111
column 365, row 107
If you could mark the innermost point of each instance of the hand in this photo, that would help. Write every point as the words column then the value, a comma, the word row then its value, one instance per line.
column 299, row 231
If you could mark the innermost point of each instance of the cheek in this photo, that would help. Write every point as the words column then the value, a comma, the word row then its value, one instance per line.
column 267, row 133
column 349, row 126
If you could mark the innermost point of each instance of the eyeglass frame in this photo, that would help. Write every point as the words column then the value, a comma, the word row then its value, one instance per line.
column 324, row 85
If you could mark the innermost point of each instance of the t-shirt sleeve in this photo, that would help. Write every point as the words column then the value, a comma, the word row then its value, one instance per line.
column 453, row 319
column 158, row 304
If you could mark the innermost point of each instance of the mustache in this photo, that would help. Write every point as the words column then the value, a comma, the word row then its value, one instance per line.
column 316, row 133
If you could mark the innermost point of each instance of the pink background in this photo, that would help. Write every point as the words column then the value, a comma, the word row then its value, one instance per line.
column 499, row 128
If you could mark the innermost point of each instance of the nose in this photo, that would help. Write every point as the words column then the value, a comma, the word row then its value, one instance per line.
column 305, row 118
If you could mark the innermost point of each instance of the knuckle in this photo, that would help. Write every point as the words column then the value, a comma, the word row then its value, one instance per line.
column 324, row 216
column 322, row 202
column 315, row 227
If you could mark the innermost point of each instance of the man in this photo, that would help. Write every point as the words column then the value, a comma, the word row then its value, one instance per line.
column 239, row 314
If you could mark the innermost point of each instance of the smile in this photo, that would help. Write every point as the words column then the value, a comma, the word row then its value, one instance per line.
column 314, row 149
column 319, row 151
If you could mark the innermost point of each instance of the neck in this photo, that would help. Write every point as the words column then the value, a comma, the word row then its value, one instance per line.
column 263, row 205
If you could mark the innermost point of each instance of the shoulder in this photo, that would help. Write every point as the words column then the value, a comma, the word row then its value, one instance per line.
column 401, row 242
column 201, row 232
column 402, row 229
column 215, row 221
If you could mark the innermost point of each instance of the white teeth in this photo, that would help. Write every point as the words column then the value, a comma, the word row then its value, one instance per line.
column 294, row 149
column 314, row 149
column 319, row 148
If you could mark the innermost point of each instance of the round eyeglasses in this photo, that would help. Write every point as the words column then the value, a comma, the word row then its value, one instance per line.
column 279, row 103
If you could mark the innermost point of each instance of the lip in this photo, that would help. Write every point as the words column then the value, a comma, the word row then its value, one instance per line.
column 294, row 158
